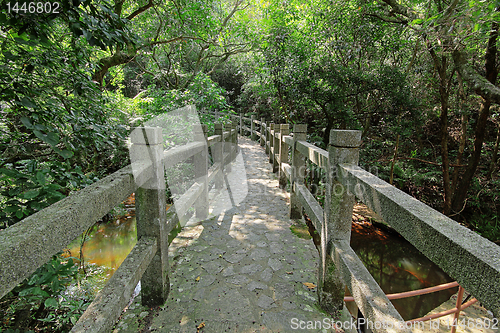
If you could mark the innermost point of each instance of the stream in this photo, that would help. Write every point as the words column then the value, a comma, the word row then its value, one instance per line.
column 394, row 263
column 398, row 266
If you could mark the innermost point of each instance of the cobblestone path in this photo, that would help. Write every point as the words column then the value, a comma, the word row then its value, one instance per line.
column 242, row 270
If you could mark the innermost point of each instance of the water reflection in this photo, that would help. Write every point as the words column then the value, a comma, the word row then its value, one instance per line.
column 398, row 267
column 394, row 263
column 108, row 244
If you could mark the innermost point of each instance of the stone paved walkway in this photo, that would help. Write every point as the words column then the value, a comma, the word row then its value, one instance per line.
column 241, row 270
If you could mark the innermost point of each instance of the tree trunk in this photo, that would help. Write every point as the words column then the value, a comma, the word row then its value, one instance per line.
column 444, row 150
column 440, row 64
column 118, row 58
column 326, row 135
column 463, row 136
column 494, row 158
column 480, row 130
column 394, row 160
column 465, row 181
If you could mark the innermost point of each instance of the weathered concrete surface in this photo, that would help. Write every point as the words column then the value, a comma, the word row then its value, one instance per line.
column 110, row 301
column 369, row 297
column 30, row 243
column 473, row 261
column 240, row 271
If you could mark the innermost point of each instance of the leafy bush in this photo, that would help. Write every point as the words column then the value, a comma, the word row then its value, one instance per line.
column 39, row 302
column 36, row 186
column 202, row 92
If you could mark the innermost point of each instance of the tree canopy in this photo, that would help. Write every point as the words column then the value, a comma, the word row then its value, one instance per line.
column 419, row 78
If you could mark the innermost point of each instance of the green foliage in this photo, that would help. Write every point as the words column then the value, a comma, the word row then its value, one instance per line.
column 42, row 294
column 35, row 187
column 202, row 93
column 487, row 226
column 53, row 115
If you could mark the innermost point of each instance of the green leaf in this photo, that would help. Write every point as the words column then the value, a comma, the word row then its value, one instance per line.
column 27, row 103
column 13, row 202
column 55, row 285
column 11, row 173
column 12, row 209
column 65, row 153
column 51, row 303
column 15, row 191
column 39, row 135
column 417, row 21
column 30, row 194
column 40, row 177
column 39, row 291
column 50, row 138
column 19, row 214
column 37, row 205
column 27, row 122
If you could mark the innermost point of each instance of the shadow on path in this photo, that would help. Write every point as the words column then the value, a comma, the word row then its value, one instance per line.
column 241, row 270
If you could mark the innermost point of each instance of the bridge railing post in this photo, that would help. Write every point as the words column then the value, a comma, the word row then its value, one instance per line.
column 234, row 141
column 298, row 170
column 252, row 128
column 150, row 200
column 271, row 143
column 218, row 155
column 262, row 132
column 200, row 161
column 241, row 123
column 228, row 147
column 268, row 135
column 342, row 149
column 276, row 147
column 283, row 154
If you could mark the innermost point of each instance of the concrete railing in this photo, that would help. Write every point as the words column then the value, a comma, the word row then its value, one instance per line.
column 467, row 257
column 31, row 242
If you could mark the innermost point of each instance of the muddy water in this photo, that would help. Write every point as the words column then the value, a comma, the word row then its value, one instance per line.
column 398, row 267
column 108, row 244
column 394, row 263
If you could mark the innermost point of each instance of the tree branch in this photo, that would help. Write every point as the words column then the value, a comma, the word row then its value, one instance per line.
column 402, row 10
column 389, row 19
column 420, row 160
column 171, row 40
column 140, row 10
column 481, row 85
column 237, row 3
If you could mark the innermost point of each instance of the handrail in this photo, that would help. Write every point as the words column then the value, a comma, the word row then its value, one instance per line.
column 438, row 237
column 418, row 292
column 111, row 302
column 441, row 239
column 45, row 233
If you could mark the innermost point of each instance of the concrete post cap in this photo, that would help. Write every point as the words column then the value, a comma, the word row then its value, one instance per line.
column 345, row 138
column 300, row 128
column 152, row 134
